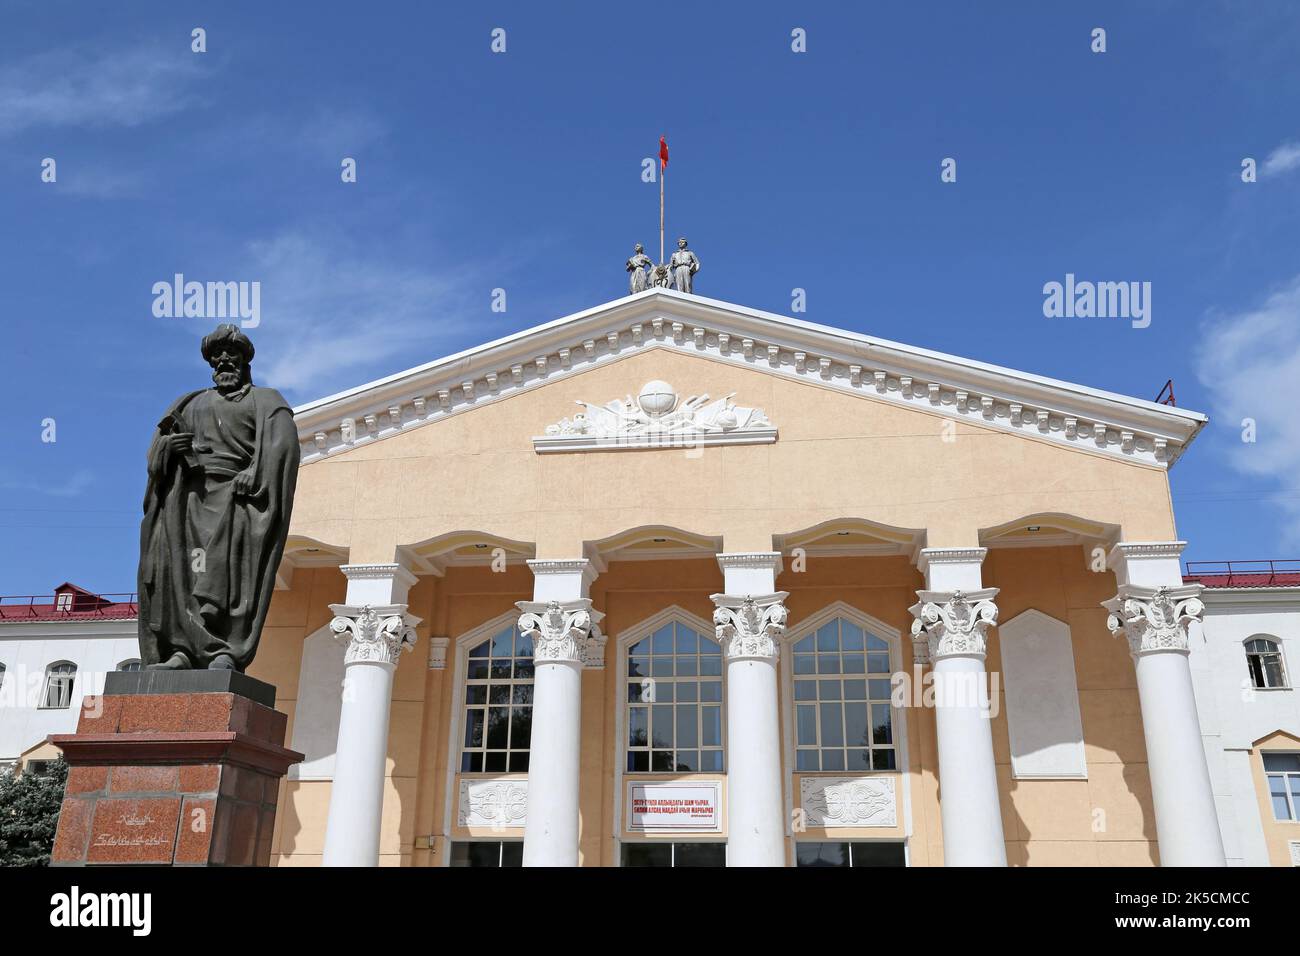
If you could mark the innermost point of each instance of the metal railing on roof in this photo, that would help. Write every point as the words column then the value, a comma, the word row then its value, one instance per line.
column 18, row 607
column 1258, row 574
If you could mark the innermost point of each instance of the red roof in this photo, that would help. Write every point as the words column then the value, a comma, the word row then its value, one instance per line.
column 1243, row 574
column 80, row 605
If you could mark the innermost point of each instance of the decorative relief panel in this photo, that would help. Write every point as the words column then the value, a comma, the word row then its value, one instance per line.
column 495, row 804
column 657, row 418
column 848, row 801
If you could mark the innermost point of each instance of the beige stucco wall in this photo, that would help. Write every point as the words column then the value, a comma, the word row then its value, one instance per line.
column 1278, row 834
column 837, row 456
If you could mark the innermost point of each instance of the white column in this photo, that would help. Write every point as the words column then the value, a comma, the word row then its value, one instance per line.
column 950, row 631
column 1152, row 610
column 559, row 620
column 378, row 629
column 750, row 621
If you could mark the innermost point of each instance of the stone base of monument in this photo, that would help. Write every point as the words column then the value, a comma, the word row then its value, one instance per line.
column 177, row 768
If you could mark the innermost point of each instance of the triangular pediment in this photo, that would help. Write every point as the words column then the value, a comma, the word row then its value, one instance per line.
column 876, row 369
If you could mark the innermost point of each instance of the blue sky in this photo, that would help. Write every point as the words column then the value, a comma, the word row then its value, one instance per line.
column 521, row 170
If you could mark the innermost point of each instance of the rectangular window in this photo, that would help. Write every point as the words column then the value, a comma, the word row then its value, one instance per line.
column 674, row 854
column 488, row 853
column 870, row 853
column 1283, row 773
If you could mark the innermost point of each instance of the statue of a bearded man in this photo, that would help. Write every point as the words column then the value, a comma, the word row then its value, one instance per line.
column 222, row 469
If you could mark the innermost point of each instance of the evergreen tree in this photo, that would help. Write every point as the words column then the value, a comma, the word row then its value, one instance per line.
column 29, row 814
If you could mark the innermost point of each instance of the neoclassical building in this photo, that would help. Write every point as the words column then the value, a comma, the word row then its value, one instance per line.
column 672, row 581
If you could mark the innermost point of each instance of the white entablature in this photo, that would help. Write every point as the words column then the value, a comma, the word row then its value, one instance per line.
column 1000, row 398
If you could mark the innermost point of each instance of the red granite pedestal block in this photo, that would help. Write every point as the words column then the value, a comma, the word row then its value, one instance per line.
column 187, row 779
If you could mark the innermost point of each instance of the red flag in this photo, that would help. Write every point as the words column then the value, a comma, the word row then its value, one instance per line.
column 663, row 153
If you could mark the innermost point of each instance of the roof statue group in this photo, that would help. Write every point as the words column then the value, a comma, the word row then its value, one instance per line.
column 679, row 272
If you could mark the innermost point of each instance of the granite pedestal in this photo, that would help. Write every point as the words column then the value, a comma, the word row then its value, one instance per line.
column 173, row 768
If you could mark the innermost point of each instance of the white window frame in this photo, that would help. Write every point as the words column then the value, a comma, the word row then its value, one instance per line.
column 897, row 662
column 1292, row 804
column 63, row 602
column 628, row 637
column 458, row 657
column 1281, row 658
column 49, row 676
column 699, row 703
column 131, row 660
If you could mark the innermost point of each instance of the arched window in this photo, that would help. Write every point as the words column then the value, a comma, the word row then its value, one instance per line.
column 842, row 713
column 674, row 702
column 1264, row 659
column 134, row 664
column 498, row 707
column 59, row 678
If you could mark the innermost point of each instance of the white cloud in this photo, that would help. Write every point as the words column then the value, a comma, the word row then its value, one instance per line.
column 334, row 316
column 1282, row 160
column 70, row 487
column 105, row 88
column 1250, row 364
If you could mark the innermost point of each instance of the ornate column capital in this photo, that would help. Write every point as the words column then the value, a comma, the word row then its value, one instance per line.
column 750, row 626
column 952, row 624
column 1154, row 619
column 560, row 630
column 376, row 633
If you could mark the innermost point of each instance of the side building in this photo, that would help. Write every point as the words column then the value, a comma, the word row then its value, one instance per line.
column 54, row 650
column 1244, row 669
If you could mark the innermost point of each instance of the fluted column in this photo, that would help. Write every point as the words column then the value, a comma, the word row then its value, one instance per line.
column 950, row 632
column 750, row 621
column 376, row 635
column 1152, row 610
column 561, row 623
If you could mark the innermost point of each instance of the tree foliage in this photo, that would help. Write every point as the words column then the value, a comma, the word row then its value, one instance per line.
column 29, row 814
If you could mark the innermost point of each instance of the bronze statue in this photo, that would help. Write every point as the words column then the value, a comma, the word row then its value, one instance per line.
column 222, row 469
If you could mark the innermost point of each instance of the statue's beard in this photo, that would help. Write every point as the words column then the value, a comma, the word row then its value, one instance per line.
column 227, row 378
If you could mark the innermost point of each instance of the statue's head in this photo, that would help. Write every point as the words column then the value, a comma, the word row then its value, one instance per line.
column 230, row 353
column 681, row 243
column 639, row 248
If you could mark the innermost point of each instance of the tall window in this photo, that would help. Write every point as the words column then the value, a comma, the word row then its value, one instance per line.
column 59, row 678
column 674, row 702
column 488, row 853
column 1264, row 658
column 498, row 704
column 849, row 854
column 1283, row 772
column 660, row 853
column 841, row 700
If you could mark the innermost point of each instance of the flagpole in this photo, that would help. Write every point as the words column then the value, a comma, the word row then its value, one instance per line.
column 663, row 175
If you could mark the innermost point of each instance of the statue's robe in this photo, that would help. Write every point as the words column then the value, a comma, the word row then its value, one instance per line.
column 204, row 548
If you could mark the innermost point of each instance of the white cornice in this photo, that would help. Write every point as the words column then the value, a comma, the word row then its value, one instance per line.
column 999, row 398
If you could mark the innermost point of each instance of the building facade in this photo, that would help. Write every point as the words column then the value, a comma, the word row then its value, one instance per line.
column 55, row 649
column 1241, row 660
column 676, row 582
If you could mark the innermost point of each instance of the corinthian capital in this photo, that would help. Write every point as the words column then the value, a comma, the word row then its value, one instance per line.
column 953, row 623
column 376, row 633
column 1154, row 619
column 750, row 625
column 559, row 629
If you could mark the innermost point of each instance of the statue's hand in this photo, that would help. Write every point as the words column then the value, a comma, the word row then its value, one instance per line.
column 245, row 483
column 179, row 443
